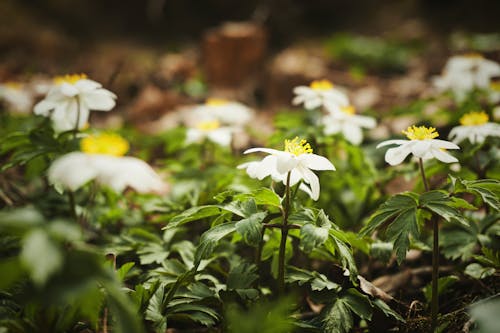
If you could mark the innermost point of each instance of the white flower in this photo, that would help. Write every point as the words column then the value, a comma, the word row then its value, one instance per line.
column 69, row 101
column 421, row 144
column 297, row 158
column 464, row 73
column 227, row 112
column 211, row 130
column 344, row 120
column 319, row 93
column 101, row 161
column 17, row 98
column 267, row 167
column 475, row 127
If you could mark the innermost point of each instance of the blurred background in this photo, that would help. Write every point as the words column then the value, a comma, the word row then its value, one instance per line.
column 158, row 55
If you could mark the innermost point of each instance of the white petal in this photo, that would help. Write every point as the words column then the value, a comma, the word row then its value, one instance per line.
column 68, row 90
column 100, row 100
column 392, row 142
column 395, row 156
column 420, row 147
column 220, row 136
column 352, row 133
column 263, row 150
column 443, row 156
column 286, row 162
column 86, row 85
column 44, row 107
column 313, row 181
column 72, row 170
column 316, row 162
column 194, row 135
column 312, row 103
column 364, row 121
column 444, row 144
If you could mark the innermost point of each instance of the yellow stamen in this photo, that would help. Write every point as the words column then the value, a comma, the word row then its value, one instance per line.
column 297, row 147
column 13, row 85
column 473, row 55
column 348, row 109
column 216, row 101
column 495, row 86
column 474, row 118
column 108, row 144
column 208, row 126
column 69, row 78
column 321, row 85
column 420, row 133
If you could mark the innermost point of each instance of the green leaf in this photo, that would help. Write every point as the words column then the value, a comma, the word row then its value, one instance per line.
column 21, row 218
column 262, row 196
column 243, row 209
column 312, row 236
column 386, row 309
column 358, row 303
column 486, row 189
column 441, row 204
column 477, row 271
column 404, row 225
column 317, row 280
column 124, row 269
column 391, row 208
column 210, row 238
column 123, row 311
column 344, row 252
column 337, row 317
column 41, row 256
column 193, row 214
column 251, row 228
column 444, row 283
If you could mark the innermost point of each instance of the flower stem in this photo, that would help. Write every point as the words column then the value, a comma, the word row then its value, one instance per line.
column 435, row 257
column 72, row 205
column 284, row 236
column 422, row 172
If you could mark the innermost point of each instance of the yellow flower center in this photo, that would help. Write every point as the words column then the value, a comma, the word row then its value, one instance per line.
column 208, row 126
column 108, row 144
column 348, row 109
column 321, row 85
column 495, row 86
column 420, row 133
column 216, row 101
column 473, row 55
column 298, row 147
column 474, row 118
column 69, row 78
column 13, row 85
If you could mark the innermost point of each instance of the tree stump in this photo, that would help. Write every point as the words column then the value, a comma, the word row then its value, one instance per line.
column 233, row 53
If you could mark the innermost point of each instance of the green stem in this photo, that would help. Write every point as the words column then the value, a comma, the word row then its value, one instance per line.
column 284, row 236
column 435, row 258
column 72, row 205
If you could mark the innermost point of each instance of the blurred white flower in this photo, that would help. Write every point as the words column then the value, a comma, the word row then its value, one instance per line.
column 344, row 120
column 297, row 158
column 211, row 130
column 475, row 127
column 69, row 101
column 17, row 97
column 421, row 144
column 227, row 112
column 319, row 93
column 102, row 161
column 464, row 73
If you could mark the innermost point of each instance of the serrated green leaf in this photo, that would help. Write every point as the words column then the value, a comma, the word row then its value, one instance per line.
column 262, row 196
column 251, row 228
column 210, row 238
column 487, row 189
column 193, row 214
column 124, row 269
column 477, row 271
column 337, row 317
column 358, row 303
column 317, row 280
column 242, row 208
column 41, row 256
column 312, row 236
column 399, row 231
column 391, row 208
